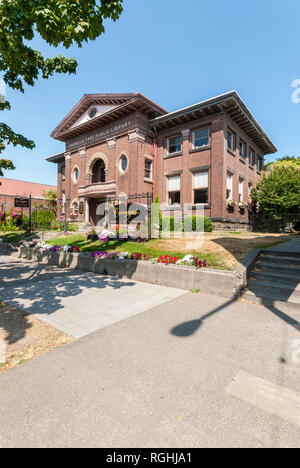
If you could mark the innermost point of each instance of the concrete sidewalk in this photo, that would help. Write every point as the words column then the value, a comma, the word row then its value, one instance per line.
column 195, row 371
column 75, row 302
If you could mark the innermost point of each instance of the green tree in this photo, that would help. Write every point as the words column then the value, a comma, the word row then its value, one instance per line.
column 284, row 158
column 57, row 22
column 51, row 198
column 278, row 194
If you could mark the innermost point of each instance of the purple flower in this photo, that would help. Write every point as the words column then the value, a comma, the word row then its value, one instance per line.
column 98, row 255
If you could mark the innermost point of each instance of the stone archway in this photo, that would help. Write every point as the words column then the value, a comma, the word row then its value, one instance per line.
column 93, row 159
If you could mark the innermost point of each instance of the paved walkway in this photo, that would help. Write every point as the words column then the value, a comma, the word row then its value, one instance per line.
column 76, row 303
column 195, row 371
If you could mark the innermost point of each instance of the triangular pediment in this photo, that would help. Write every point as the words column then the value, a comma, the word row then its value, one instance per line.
column 79, row 115
column 93, row 108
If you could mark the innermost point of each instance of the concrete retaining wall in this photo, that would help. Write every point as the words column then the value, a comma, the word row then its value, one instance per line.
column 220, row 283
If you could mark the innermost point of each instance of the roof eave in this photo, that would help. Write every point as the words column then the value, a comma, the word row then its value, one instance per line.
column 270, row 148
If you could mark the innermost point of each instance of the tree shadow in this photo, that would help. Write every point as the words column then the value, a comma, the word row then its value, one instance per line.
column 239, row 247
column 41, row 290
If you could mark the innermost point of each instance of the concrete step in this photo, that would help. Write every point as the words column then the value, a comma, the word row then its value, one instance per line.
column 280, row 290
column 272, row 301
column 281, row 253
column 263, row 266
column 270, row 258
column 277, row 277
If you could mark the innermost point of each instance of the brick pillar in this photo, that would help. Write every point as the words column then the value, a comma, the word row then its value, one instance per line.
column 218, row 172
column 68, row 161
column 186, row 193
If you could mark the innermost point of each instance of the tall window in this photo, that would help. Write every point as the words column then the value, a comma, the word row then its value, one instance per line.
column 174, row 190
column 201, row 187
column 75, row 175
column 98, row 172
column 241, row 190
column 174, row 144
column 229, row 186
column 148, row 169
column 251, row 157
column 231, row 140
column 63, row 172
column 242, row 149
column 250, row 186
column 260, row 164
column 201, row 138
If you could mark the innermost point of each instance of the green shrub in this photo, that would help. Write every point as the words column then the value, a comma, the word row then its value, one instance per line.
column 170, row 223
column 190, row 224
column 42, row 218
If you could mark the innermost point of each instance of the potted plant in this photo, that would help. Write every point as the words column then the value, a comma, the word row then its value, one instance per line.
column 242, row 206
column 230, row 204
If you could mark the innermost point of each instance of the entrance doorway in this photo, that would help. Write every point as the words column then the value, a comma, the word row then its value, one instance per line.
column 93, row 205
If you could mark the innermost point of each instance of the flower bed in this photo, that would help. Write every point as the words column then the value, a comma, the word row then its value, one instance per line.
column 188, row 260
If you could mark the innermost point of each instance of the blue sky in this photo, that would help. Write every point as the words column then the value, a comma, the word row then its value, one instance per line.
column 177, row 53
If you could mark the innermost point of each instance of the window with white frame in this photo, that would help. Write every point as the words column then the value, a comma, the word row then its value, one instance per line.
column 243, row 149
column 174, row 184
column 251, row 157
column 231, row 137
column 241, row 190
column 148, row 169
column 201, row 187
column 174, row 144
column 229, row 186
column 201, row 138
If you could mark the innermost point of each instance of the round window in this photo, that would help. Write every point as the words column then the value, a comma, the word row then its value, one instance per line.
column 76, row 174
column 123, row 163
column 92, row 113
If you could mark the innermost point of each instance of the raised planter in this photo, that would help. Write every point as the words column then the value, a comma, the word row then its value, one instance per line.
column 208, row 281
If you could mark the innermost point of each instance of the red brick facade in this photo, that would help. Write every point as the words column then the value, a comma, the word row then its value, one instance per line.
column 137, row 129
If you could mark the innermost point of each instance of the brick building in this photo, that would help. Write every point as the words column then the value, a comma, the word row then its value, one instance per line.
column 125, row 144
column 11, row 191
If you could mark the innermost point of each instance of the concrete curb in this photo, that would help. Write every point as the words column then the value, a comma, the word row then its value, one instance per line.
column 217, row 282
column 242, row 272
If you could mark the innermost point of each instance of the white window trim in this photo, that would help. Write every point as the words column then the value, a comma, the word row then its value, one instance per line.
column 241, row 190
column 231, row 188
column 151, row 172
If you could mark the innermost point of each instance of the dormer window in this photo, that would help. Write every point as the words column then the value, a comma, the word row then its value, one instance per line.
column 92, row 113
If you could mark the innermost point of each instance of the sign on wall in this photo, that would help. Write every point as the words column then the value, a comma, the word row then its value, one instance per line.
column 21, row 202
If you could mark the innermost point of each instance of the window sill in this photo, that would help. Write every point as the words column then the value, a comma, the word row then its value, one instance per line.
column 173, row 207
column 251, row 167
column 149, row 181
column 173, row 155
column 242, row 160
column 231, row 152
column 258, row 172
column 201, row 205
column 199, row 150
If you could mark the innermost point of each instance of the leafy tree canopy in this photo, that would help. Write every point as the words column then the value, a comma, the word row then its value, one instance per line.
column 279, row 191
column 58, row 22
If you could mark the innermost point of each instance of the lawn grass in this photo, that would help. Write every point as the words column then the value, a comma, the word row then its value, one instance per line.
column 153, row 248
column 13, row 237
column 268, row 245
